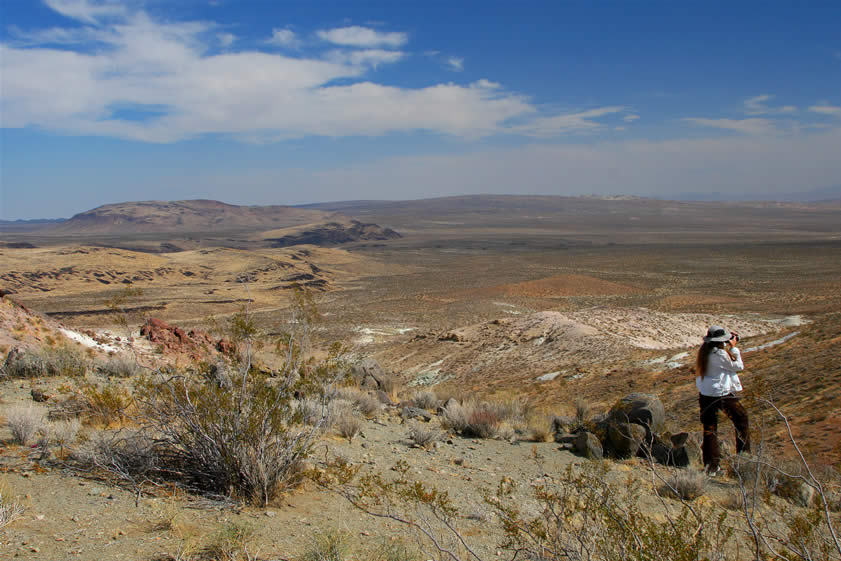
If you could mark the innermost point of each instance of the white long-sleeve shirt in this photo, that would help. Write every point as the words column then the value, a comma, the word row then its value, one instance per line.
column 721, row 377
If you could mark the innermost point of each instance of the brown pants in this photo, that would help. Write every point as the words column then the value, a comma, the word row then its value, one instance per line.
column 709, row 418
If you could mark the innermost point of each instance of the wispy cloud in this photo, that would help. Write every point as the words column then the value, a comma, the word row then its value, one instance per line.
column 583, row 121
column 357, row 36
column 754, row 126
column 455, row 63
column 86, row 10
column 283, row 38
column 757, row 106
column 630, row 118
column 826, row 109
column 365, row 57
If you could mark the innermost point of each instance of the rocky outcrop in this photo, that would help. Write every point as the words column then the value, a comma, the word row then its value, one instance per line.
column 172, row 339
column 334, row 233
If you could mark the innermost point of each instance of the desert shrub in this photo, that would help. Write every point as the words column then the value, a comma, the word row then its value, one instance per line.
column 64, row 433
column 515, row 411
column 327, row 546
column 482, row 422
column 424, row 437
column 454, row 416
column 474, row 419
column 425, row 399
column 104, row 405
column 24, row 422
column 346, row 423
column 576, row 515
column 362, row 401
column 231, row 542
column 45, row 361
column 686, row 484
column 539, row 433
column 10, row 508
column 248, row 440
column 315, row 411
column 130, row 455
column 119, row 366
column 368, row 405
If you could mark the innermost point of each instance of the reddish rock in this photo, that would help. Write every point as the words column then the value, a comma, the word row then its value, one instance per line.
column 225, row 347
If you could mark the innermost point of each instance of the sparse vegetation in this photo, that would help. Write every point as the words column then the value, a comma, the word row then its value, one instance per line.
column 10, row 508
column 346, row 423
column 119, row 366
column 231, row 542
column 686, row 484
column 24, row 422
column 425, row 399
column 327, row 546
column 45, row 361
column 424, row 437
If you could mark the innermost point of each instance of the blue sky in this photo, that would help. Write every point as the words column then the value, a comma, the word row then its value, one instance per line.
column 264, row 102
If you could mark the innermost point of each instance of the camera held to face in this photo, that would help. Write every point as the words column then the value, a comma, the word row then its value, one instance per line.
column 734, row 336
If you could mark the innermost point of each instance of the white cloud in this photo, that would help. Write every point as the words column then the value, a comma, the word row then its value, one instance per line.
column 356, row 36
column 86, row 10
column 754, row 126
column 283, row 38
column 171, row 72
column 756, row 106
column 365, row 57
column 226, row 39
column 826, row 109
column 455, row 63
column 630, row 118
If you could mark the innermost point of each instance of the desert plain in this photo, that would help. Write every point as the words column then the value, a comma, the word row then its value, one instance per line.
column 563, row 304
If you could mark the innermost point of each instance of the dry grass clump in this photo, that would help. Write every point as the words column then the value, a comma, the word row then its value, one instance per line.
column 488, row 419
column 482, row 422
column 45, row 361
column 425, row 399
column 344, row 420
column 119, row 366
column 582, row 411
column 231, row 542
column 423, row 437
column 362, row 401
column 64, row 433
column 686, row 484
column 328, row 546
column 10, row 508
column 24, row 422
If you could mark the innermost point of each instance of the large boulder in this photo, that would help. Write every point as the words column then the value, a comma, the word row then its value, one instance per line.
column 369, row 374
column 642, row 409
column 624, row 439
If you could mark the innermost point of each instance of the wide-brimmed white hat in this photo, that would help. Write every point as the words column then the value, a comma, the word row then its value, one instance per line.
column 717, row 334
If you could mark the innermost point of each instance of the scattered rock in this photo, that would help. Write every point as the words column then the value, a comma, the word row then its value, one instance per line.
column 415, row 413
column 640, row 408
column 588, row 445
column 38, row 395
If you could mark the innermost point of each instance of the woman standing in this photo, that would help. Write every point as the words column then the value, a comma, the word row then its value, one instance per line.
column 719, row 361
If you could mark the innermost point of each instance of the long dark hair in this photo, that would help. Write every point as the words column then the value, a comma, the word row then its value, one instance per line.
column 704, row 356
